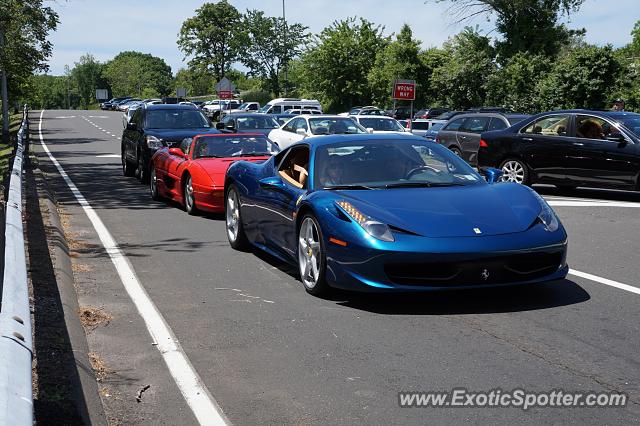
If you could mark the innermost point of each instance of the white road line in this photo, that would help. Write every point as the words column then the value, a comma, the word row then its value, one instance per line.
column 108, row 156
column 592, row 204
column 605, row 281
column 204, row 407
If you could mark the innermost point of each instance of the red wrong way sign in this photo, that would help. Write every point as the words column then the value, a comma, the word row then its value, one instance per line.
column 404, row 91
column 225, row 94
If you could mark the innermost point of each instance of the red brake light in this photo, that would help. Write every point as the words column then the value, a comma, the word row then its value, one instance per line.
column 483, row 144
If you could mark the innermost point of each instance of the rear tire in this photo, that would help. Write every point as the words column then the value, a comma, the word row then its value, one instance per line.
column 235, row 231
column 514, row 170
column 189, row 197
column 312, row 261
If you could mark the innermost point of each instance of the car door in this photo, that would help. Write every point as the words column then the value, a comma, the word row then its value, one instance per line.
column 469, row 137
column 279, row 196
column 132, row 135
column 595, row 160
column 544, row 145
column 448, row 134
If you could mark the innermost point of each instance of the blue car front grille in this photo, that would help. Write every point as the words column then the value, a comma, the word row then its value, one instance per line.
column 488, row 270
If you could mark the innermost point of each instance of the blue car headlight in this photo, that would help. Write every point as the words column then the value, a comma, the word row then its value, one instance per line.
column 547, row 216
column 373, row 227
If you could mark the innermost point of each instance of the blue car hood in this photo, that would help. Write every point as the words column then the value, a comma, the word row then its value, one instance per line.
column 450, row 211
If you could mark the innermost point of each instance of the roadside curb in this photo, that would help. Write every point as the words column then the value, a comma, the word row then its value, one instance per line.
column 85, row 391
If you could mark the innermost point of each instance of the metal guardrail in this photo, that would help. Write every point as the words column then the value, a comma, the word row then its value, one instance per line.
column 16, row 346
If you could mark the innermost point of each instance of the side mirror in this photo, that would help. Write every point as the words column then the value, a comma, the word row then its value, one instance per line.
column 369, row 129
column 220, row 126
column 301, row 132
column 132, row 126
column 616, row 137
column 491, row 175
column 271, row 183
column 177, row 152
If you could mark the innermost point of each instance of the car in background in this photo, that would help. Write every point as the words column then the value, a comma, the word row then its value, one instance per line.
column 418, row 126
column 245, row 107
column 216, row 110
column 380, row 124
column 446, row 116
column 108, row 105
column 303, row 111
column 172, row 100
column 429, row 113
column 199, row 104
column 153, row 127
column 461, row 134
column 432, row 133
column 124, row 106
column 303, row 126
column 115, row 105
column 568, row 149
column 388, row 212
column 193, row 173
column 365, row 110
column 248, row 123
column 400, row 112
column 281, row 105
column 281, row 118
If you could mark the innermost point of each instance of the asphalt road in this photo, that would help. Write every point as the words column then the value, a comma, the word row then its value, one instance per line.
column 271, row 354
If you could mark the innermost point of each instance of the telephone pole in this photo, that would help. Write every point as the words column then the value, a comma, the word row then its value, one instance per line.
column 5, row 95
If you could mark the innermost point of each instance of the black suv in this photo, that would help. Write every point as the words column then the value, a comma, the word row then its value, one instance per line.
column 155, row 126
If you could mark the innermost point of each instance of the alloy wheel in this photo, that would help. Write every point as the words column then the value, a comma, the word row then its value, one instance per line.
column 309, row 253
column 513, row 171
column 233, row 215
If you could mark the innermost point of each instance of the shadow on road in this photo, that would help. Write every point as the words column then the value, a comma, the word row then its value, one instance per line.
column 449, row 302
column 594, row 193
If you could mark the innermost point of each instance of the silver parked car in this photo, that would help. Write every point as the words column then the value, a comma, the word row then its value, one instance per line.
column 461, row 134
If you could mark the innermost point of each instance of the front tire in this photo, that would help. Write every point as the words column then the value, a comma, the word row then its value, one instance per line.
column 189, row 197
column 235, row 231
column 515, row 170
column 127, row 168
column 153, row 185
column 312, row 262
column 143, row 172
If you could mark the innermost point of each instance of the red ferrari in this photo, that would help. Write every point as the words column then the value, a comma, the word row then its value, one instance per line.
column 193, row 174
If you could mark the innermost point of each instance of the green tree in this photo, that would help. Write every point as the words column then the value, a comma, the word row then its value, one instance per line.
column 400, row 59
column 24, row 47
column 135, row 73
column 461, row 81
column 516, row 84
column 197, row 82
column 334, row 68
column 87, row 75
column 628, row 84
column 271, row 44
column 431, row 59
column 212, row 38
column 526, row 25
column 583, row 78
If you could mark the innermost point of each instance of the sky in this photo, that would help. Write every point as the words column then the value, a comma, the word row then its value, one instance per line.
column 105, row 28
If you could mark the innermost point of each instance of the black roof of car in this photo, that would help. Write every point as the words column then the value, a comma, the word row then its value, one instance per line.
column 169, row 106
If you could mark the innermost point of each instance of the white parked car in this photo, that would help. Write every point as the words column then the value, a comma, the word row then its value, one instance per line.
column 297, row 111
column 380, row 124
column 303, row 126
column 281, row 105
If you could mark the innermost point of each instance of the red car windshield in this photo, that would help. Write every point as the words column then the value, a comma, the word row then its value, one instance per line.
column 233, row 146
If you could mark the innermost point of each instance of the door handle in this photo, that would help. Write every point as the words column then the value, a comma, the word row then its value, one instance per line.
column 527, row 139
column 578, row 144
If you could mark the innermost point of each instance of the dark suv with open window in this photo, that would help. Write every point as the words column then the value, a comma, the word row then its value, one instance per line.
column 461, row 134
column 155, row 126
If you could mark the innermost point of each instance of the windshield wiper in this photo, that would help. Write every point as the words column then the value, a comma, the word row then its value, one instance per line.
column 348, row 187
column 421, row 184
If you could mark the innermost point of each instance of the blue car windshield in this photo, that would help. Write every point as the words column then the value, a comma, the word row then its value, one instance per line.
column 233, row 146
column 390, row 163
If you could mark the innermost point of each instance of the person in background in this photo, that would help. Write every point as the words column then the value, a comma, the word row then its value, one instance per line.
column 618, row 105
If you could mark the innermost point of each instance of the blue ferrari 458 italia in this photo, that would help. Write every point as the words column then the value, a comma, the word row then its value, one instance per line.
column 391, row 213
